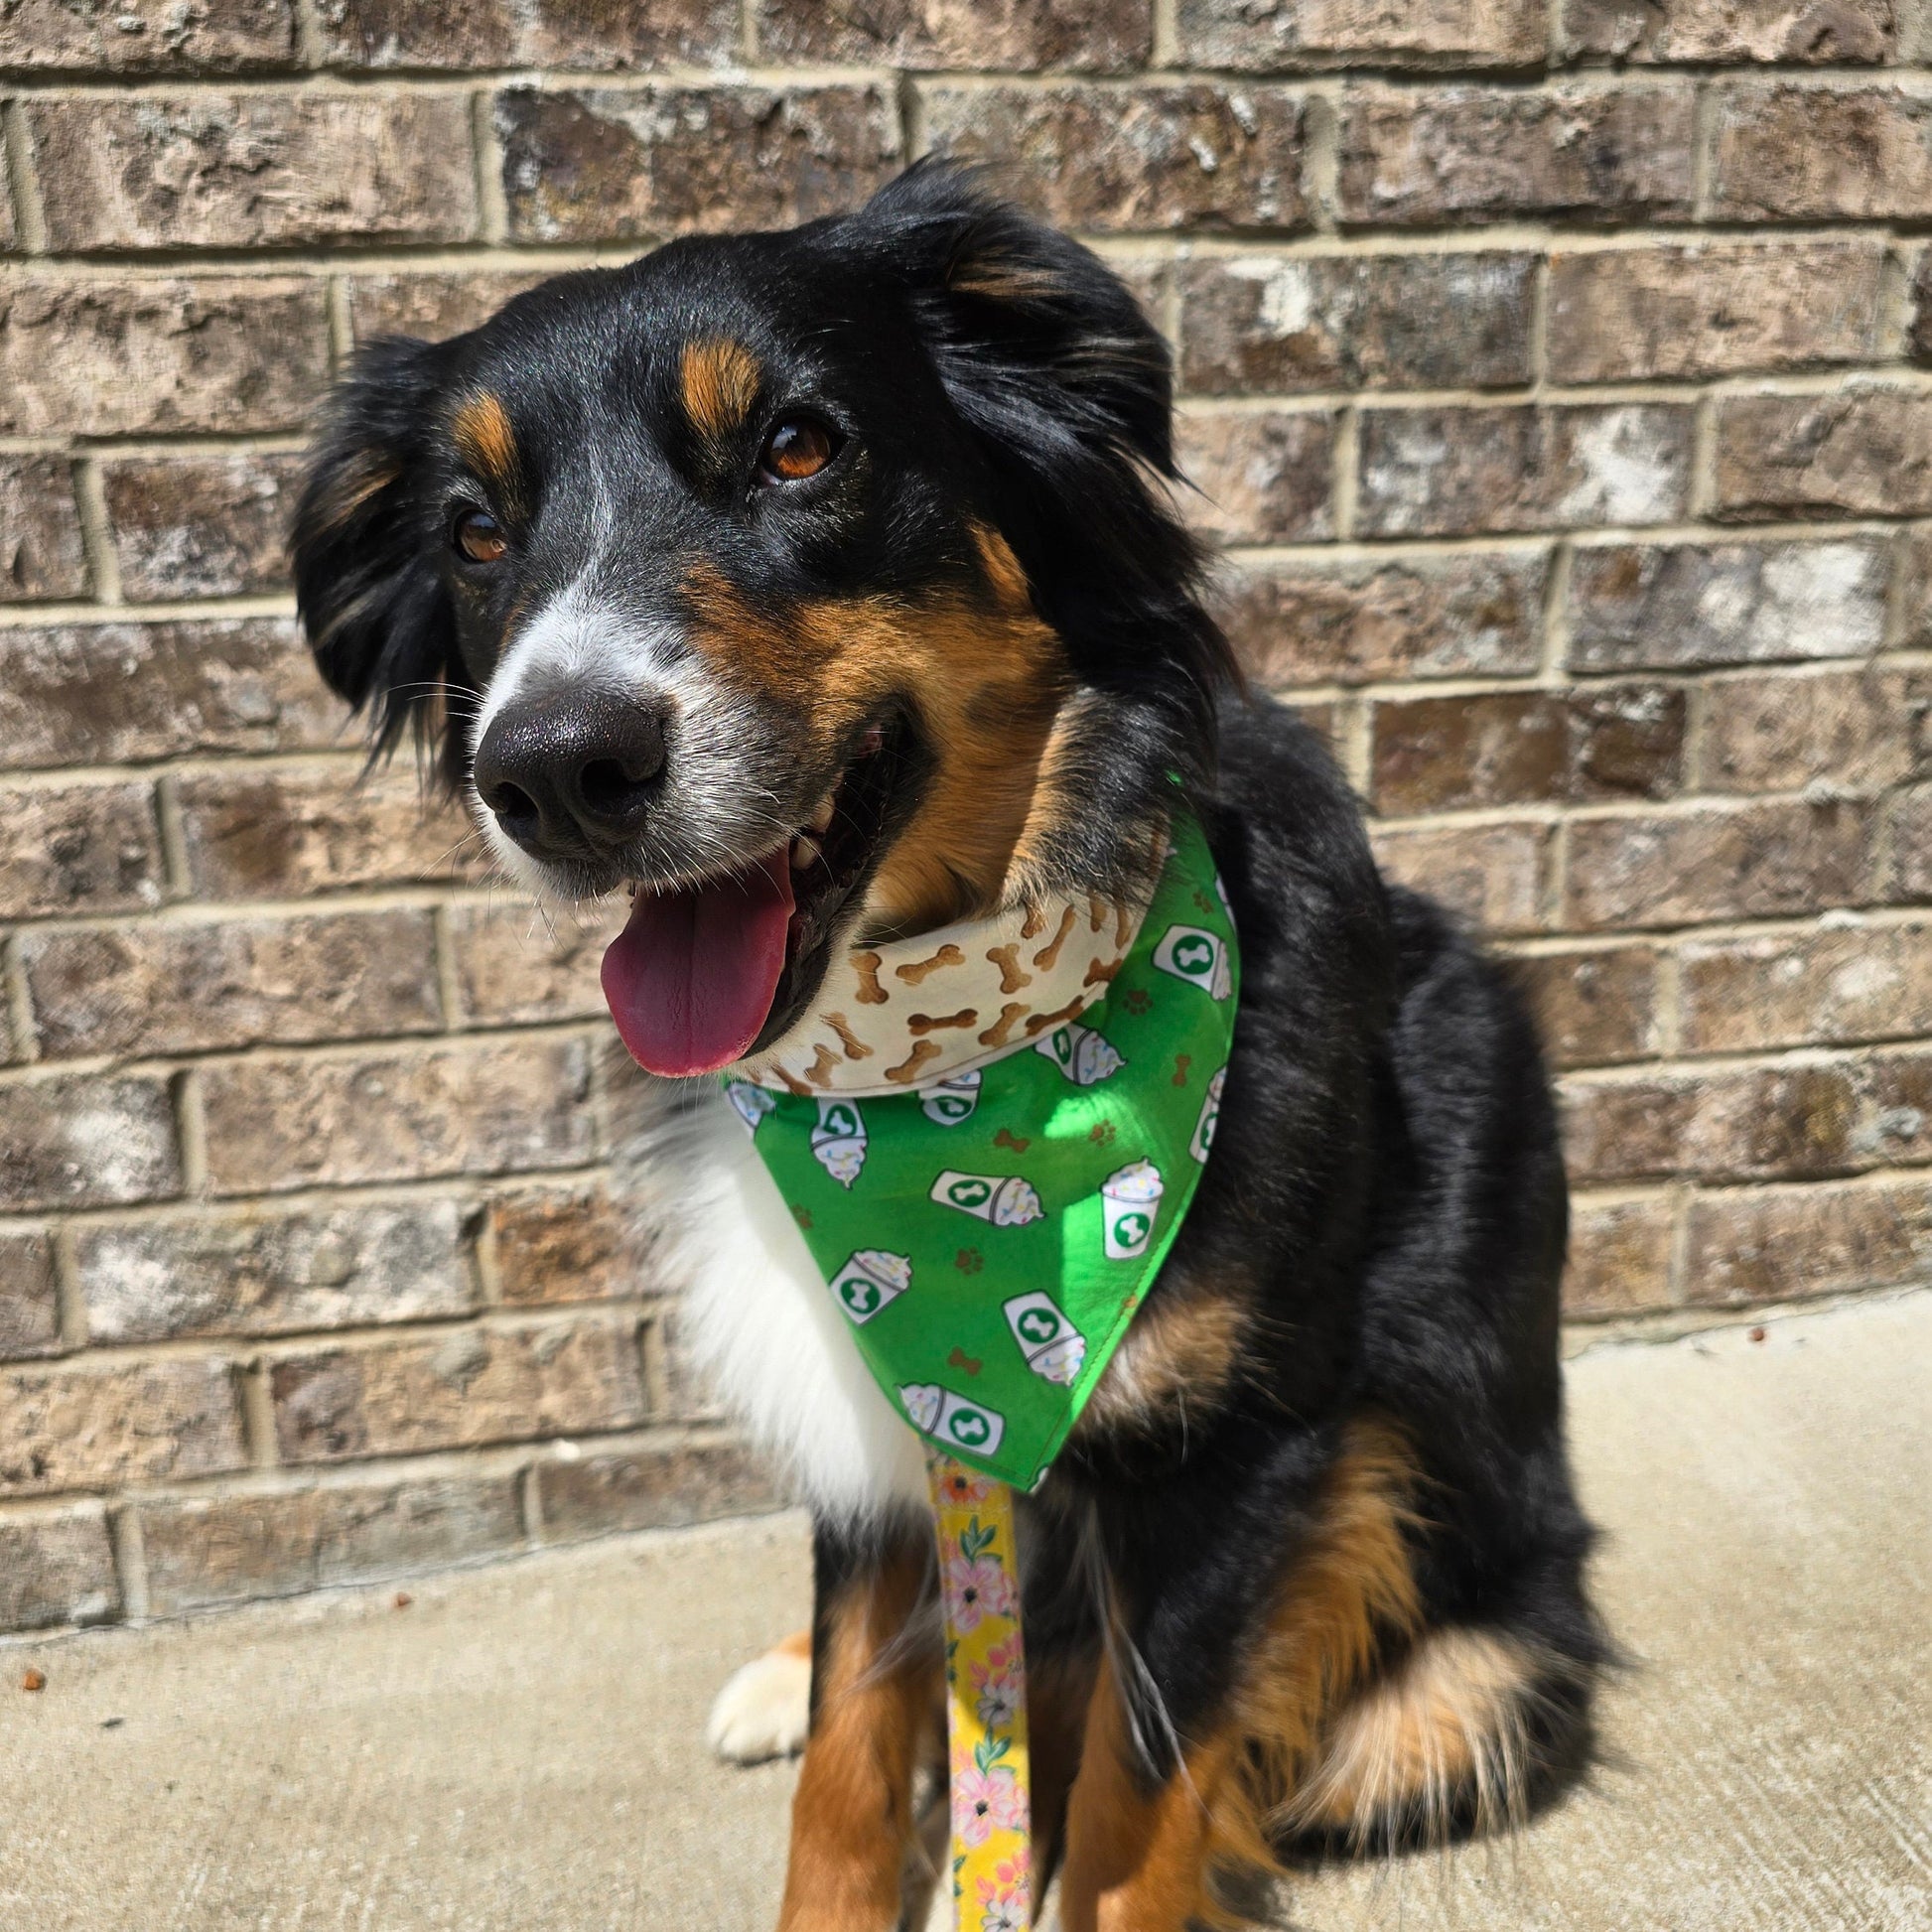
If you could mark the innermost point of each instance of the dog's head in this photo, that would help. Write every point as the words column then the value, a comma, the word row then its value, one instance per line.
column 822, row 584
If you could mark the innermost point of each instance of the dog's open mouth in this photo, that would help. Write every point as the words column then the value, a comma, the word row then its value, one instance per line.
column 699, row 974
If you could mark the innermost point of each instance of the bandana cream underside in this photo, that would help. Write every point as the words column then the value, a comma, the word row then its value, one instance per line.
column 895, row 1018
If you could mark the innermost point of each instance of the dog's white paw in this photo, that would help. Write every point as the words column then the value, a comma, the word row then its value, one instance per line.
column 764, row 1709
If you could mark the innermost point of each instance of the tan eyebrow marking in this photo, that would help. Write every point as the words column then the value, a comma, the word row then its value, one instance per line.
column 720, row 383
column 480, row 430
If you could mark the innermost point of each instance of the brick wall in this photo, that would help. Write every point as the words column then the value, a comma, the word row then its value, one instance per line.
column 1553, row 373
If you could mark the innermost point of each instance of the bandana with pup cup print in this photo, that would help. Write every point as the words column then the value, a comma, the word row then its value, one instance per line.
column 989, row 1231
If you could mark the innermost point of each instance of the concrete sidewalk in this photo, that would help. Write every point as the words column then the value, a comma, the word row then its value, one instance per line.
column 518, row 1750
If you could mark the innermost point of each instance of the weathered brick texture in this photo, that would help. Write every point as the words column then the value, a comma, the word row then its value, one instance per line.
column 1554, row 375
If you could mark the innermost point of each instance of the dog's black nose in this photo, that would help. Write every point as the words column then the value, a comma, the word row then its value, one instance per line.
column 571, row 778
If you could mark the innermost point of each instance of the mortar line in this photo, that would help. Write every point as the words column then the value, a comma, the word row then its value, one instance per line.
column 69, row 1301
column 127, row 1546
column 257, row 1401
column 97, row 530
column 487, row 158
column 20, row 1004
column 30, row 214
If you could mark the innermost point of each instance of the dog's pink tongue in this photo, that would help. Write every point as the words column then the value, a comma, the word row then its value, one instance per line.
column 692, row 975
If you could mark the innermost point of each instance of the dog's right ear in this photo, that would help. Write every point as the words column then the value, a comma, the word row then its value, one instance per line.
column 371, row 597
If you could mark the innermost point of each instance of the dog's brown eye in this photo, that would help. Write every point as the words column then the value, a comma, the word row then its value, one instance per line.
column 480, row 537
column 798, row 448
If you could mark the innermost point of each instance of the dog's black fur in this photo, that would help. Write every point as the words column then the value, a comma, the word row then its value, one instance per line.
column 1385, row 1211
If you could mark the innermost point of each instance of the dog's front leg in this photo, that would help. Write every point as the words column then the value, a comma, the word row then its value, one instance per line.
column 877, row 1699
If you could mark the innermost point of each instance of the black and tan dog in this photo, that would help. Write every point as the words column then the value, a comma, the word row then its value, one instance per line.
column 826, row 586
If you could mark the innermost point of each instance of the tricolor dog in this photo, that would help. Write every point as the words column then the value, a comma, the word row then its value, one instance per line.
column 825, row 591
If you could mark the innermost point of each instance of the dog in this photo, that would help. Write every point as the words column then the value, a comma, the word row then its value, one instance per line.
column 828, row 587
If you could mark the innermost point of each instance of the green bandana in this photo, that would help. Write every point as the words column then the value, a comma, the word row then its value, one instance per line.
column 990, row 1234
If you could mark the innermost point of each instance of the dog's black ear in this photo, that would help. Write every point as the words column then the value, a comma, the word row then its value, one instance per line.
column 1069, row 390
column 366, row 581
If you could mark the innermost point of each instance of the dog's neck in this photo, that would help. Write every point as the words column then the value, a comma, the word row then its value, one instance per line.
column 910, row 1013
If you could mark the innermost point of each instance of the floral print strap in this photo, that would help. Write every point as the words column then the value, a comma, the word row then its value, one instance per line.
column 985, row 1700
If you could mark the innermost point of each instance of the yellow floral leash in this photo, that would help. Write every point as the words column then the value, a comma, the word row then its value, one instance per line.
column 985, row 1700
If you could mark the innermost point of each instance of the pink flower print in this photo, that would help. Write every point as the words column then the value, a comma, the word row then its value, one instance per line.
column 985, row 1802
column 975, row 1587
column 997, row 1681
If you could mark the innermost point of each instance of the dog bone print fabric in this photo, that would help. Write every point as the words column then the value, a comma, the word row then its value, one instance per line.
column 985, row 1701
column 990, row 1234
column 895, row 1018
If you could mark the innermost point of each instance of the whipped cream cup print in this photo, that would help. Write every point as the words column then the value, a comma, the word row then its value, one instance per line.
column 948, row 1102
column 839, row 1140
column 922, row 1402
column 952, row 1420
column 1210, row 1117
column 870, row 1280
column 1052, row 1346
column 969, row 1426
column 1197, row 957
column 1130, row 1200
column 751, row 1104
column 1006, row 1201
column 1083, row 1055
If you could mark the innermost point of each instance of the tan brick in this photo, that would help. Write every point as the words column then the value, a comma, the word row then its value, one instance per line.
column 101, row 693
column 30, row 1315
column 1167, row 156
column 1799, row 152
column 1463, row 153
column 659, row 1487
column 261, row 1272
column 206, row 1550
column 434, row 303
column 282, row 1119
column 591, row 162
column 290, row 833
column 190, row 986
column 57, row 1567
column 1516, row 747
column 1523, row 467
column 1782, row 731
column 85, row 1141
column 1825, row 31
column 1714, row 308
column 208, row 170
column 1792, row 988
column 1490, row 876
column 565, row 1377
column 1593, row 1006
column 40, row 551
column 91, row 1425
column 1656, row 1126
column 515, row 968
column 1285, row 323
column 1755, row 861
column 79, row 849
column 1912, row 845
column 1419, row 616
column 122, row 359
column 1090, row 36
column 201, row 525
column 1672, row 605
column 1785, row 1243
column 1252, row 38
column 1868, row 454
column 574, row 1241
column 582, row 33
column 148, row 36
column 1619, row 1257
column 1262, row 477
column 1751, row 1123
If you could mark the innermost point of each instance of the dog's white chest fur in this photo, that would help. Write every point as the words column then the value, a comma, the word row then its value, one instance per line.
column 755, row 1316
